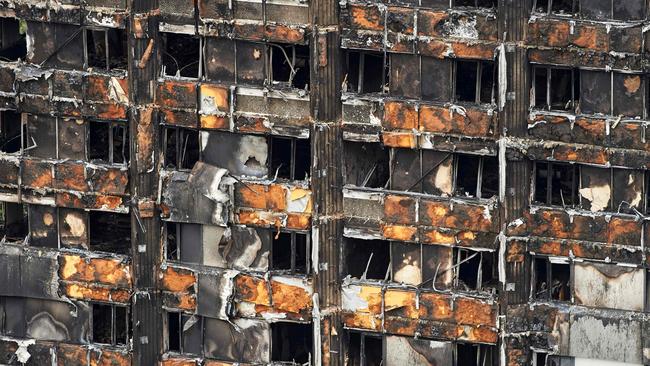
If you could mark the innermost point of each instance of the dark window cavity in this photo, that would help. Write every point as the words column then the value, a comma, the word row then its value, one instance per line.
column 110, row 324
column 110, row 232
column 106, row 48
column 366, row 72
column 13, row 44
column 551, row 279
column 181, row 147
column 108, row 142
column 289, row 158
column 10, row 132
column 180, row 55
column 475, row 81
column 290, row 252
column 289, row 65
column 556, row 88
column 291, row 342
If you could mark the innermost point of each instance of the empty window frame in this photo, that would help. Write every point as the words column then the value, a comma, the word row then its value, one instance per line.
column 556, row 88
column 556, row 184
column 110, row 324
column 551, row 279
column 183, row 333
column 10, row 131
column 364, row 349
column 367, row 259
column 468, row 354
column 441, row 173
column 475, row 81
column 291, row 252
column 473, row 270
column 109, row 232
column 290, row 158
column 13, row 44
column 108, row 142
column 476, row 3
column 288, row 65
column 597, row 189
column 181, row 55
column 181, row 147
column 291, row 342
column 556, row 6
column 366, row 72
column 105, row 48
column 366, row 164
column 13, row 222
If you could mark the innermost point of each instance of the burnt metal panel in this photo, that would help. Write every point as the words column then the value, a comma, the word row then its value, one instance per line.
column 250, row 343
column 220, row 59
column 436, row 88
column 595, row 92
column 251, row 62
column 405, row 75
column 43, row 226
column 241, row 155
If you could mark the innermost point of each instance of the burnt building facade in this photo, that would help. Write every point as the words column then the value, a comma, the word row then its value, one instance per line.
column 219, row 182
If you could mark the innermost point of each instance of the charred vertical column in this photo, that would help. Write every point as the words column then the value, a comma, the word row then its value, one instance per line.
column 513, row 18
column 326, row 175
column 146, row 304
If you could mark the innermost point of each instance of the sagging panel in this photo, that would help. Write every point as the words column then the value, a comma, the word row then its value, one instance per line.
column 46, row 320
column 609, row 286
column 56, row 45
column 249, row 343
column 242, row 155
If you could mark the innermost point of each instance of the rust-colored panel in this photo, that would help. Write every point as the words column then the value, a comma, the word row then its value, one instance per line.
column 276, row 198
column 96, row 293
column 178, row 362
column 108, row 110
column 440, row 120
column 71, row 176
column 435, row 306
column 400, row 116
column 361, row 321
column 178, row 279
column 107, row 357
column 399, row 232
column 474, row 312
column 253, row 31
column 366, row 17
column 440, row 214
column 290, row 298
column 400, row 210
column 403, row 140
column 251, row 195
column 254, row 124
column 401, row 326
column 214, row 122
column 430, row 22
column 71, row 355
column 476, row 51
column 214, row 99
column 477, row 334
column 252, row 289
column 298, row 221
column 109, row 180
column 435, row 48
column 105, row 271
column 401, row 303
column 260, row 218
column 438, row 236
column 177, row 94
column 182, row 118
column 284, row 33
column 590, row 155
column 179, row 300
column 37, row 174
column 624, row 231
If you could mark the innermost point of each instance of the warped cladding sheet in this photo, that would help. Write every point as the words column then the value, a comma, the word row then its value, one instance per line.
column 609, row 286
column 241, row 155
column 201, row 196
column 407, row 351
column 243, row 340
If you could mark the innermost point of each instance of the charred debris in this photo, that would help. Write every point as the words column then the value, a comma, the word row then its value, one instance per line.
column 433, row 182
